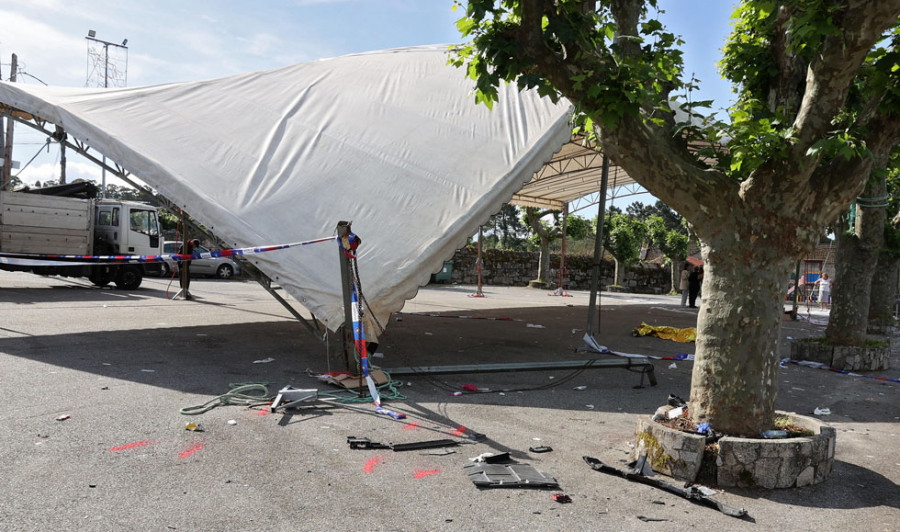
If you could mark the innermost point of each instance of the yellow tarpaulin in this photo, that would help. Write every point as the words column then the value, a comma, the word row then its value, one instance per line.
column 688, row 334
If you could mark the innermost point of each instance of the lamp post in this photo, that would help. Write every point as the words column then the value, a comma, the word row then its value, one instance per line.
column 120, row 78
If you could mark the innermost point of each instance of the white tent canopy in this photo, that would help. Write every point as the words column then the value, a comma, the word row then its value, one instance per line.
column 389, row 140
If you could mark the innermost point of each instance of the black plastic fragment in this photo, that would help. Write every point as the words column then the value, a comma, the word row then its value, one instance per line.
column 430, row 444
column 508, row 476
column 540, row 449
column 692, row 494
column 365, row 443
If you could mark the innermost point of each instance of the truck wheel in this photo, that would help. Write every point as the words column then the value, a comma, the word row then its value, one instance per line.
column 129, row 278
column 166, row 270
column 225, row 271
column 102, row 275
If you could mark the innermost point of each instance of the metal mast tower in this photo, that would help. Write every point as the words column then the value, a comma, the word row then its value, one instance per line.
column 106, row 70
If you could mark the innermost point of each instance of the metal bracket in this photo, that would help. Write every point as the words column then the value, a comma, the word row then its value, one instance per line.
column 290, row 397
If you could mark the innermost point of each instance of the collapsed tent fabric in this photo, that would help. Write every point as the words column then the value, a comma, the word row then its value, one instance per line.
column 390, row 140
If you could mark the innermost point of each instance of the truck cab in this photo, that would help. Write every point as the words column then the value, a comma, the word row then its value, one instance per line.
column 126, row 228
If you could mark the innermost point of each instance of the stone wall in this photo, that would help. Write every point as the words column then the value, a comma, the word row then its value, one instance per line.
column 517, row 268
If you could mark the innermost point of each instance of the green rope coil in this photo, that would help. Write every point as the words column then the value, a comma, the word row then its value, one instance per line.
column 241, row 394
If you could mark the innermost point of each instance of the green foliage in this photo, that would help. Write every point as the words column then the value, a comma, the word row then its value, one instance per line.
column 623, row 236
column 607, row 84
column 506, row 230
column 579, row 228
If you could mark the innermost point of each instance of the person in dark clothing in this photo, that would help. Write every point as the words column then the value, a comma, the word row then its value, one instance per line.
column 693, row 287
column 187, row 249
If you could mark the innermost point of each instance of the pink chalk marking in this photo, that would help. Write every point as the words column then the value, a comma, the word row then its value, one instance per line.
column 460, row 430
column 371, row 463
column 421, row 474
column 192, row 450
column 411, row 426
column 131, row 445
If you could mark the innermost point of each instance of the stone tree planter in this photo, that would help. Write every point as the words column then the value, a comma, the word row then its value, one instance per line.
column 741, row 462
column 842, row 357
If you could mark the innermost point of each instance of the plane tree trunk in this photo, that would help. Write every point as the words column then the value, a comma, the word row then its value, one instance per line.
column 855, row 262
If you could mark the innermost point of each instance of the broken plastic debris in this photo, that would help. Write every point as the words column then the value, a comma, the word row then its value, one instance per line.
column 822, row 411
column 456, row 393
column 589, row 407
column 232, row 422
column 774, row 434
column 149, row 370
column 378, row 355
column 673, row 366
column 702, row 428
column 561, row 498
column 706, row 491
column 63, row 417
column 264, row 360
column 580, row 388
column 469, row 388
column 196, row 427
column 675, row 412
column 540, row 449
column 536, row 326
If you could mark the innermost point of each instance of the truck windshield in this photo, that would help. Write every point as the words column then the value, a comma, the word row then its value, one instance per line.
column 144, row 221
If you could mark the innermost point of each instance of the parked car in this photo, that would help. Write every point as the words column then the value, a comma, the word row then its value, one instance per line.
column 221, row 267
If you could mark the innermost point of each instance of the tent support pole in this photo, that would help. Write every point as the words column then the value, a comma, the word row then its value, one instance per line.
column 343, row 230
column 598, row 250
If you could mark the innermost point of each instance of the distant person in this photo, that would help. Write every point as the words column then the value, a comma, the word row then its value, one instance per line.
column 684, row 285
column 694, row 287
column 187, row 249
column 824, row 284
column 700, row 278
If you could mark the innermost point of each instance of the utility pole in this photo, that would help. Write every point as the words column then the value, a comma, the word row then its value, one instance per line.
column 6, row 175
column 99, row 63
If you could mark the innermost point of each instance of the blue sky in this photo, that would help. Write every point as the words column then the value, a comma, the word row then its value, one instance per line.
column 170, row 41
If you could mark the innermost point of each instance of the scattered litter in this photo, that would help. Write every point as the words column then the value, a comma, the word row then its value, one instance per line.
column 662, row 412
column 460, row 430
column 398, row 319
column 397, row 447
column 561, row 498
column 551, row 377
column 650, row 519
column 484, row 390
column 232, row 422
column 491, row 458
column 797, row 389
column 365, row 443
column 422, row 474
column 673, row 366
column 377, row 355
column 456, row 393
column 540, row 449
column 774, row 434
column 589, row 407
column 706, row 491
column 822, row 411
column 784, row 362
column 264, row 360
column 675, row 401
column 429, row 334
column 535, row 326
column 536, row 439
column 685, row 335
column 501, row 393
column 469, row 388
column 508, row 476
column 580, row 388
column 439, row 452
column 576, row 331
column 675, row 412
column 105, row 388
column 196, row 427
column 107, row 364
column 149, row 370
column 703, row 428
column 691, row 493
column 63, row 417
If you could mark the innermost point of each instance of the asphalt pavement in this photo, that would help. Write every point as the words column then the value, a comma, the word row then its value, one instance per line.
column 93, row 439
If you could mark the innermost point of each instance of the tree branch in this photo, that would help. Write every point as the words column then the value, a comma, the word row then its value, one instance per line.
column 830, row 74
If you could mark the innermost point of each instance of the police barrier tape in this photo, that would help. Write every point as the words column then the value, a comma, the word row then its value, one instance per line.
column 26, row 259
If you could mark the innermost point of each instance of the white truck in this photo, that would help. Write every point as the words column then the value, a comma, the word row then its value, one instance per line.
column 32, row 223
